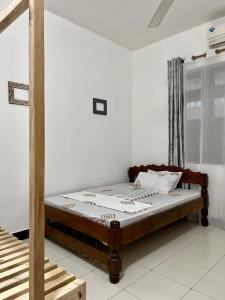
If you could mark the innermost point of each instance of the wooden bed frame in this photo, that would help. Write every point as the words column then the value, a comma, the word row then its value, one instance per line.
column 103, row 244
column 14, row 274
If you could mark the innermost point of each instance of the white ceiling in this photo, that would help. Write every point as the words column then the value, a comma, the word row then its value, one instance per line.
column 125, row 21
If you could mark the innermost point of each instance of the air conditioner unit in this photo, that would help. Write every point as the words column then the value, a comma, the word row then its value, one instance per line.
column 216, row 36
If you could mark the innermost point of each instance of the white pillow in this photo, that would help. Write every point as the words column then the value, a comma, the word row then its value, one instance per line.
column 173, row 176
column 154, row 181
column 147, row 180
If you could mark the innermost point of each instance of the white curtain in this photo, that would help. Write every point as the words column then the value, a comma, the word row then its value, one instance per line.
column 204, row 133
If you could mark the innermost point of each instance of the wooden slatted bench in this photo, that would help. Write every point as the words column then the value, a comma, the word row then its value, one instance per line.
column 14, row 274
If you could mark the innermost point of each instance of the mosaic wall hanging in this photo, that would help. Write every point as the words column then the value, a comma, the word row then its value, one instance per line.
column 18, row 93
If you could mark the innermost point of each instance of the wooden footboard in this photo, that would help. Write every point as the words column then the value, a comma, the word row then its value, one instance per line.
column 14, row 274
column 93, row 240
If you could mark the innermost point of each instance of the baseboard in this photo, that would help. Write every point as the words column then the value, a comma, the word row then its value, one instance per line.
column 22, row 235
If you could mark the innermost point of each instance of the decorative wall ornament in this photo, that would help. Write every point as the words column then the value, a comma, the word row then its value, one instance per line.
column 12, row 86
column 99, row 106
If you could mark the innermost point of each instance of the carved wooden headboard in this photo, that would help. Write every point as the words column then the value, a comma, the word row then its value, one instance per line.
column 188, row 176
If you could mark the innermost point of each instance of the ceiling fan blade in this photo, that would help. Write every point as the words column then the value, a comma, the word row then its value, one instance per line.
column 160, row 13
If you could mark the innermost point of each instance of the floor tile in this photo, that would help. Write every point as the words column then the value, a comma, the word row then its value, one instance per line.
column 212, row 243
column 189, row 232
column 193, row 295
column 157, row 287
column 181, row 271
column 201, row 253
column 83, row 261
column 72, row 266
column 55, row 253
column 98, row 288
column 220, row 266
column 157, row 247
column 213, row 285
column 124, row 296
column 151, row 255
column 51, row 243
column 154, row 257
column 217, row 233
column 59, row 248
column 128, row 275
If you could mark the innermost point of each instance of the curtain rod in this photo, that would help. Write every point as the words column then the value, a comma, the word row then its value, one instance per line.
column 218, row 51
column 194, row 57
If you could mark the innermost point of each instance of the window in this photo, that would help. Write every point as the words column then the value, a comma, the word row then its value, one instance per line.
column 193, row 108
column 205, row 113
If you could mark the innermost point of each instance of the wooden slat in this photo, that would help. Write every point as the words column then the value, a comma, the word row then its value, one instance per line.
column 8, row 284
column 13, row 250
column 5, row 236
column 58, row 283
column 14, row 263
column 75, row 290
column 13, row 256
column 50, row 276
column 12, row 12
column 54, row 278
column 10, row 245
column 37, row 148
column 54, row 274
column 3, row 232
column 8, row 240
column 15, row 271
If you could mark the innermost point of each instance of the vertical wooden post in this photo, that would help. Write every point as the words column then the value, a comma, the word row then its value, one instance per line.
column 204, row 193
column 37, row 149
column 114, row 260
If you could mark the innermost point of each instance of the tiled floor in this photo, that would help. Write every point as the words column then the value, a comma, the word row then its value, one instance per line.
column 184, row 261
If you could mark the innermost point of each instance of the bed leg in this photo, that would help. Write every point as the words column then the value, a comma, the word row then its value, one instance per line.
column 204, row 219
column 205, row 195
column 114, row 260
column 114, row 267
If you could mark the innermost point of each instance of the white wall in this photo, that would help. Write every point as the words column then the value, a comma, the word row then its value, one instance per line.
column 82, row 149
column 150, row 92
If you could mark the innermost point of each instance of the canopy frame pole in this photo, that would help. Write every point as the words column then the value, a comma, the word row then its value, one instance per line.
column 37, row 148
column 36, row 135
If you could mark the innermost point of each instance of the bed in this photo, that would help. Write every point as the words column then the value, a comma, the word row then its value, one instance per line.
column 99, row 233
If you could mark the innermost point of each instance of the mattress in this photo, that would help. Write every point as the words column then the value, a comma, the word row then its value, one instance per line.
column 159, row 203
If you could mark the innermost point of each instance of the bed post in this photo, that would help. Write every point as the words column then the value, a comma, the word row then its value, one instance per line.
column 204, row 193
column 114, row 260
column 37, row 149
column 131, row 175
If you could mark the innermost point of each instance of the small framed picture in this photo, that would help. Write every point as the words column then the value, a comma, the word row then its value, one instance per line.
column 18, row 93
column 99, row 106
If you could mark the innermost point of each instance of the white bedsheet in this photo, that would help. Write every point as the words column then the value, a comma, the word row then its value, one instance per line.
column 110, row 202
column 159, row 202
